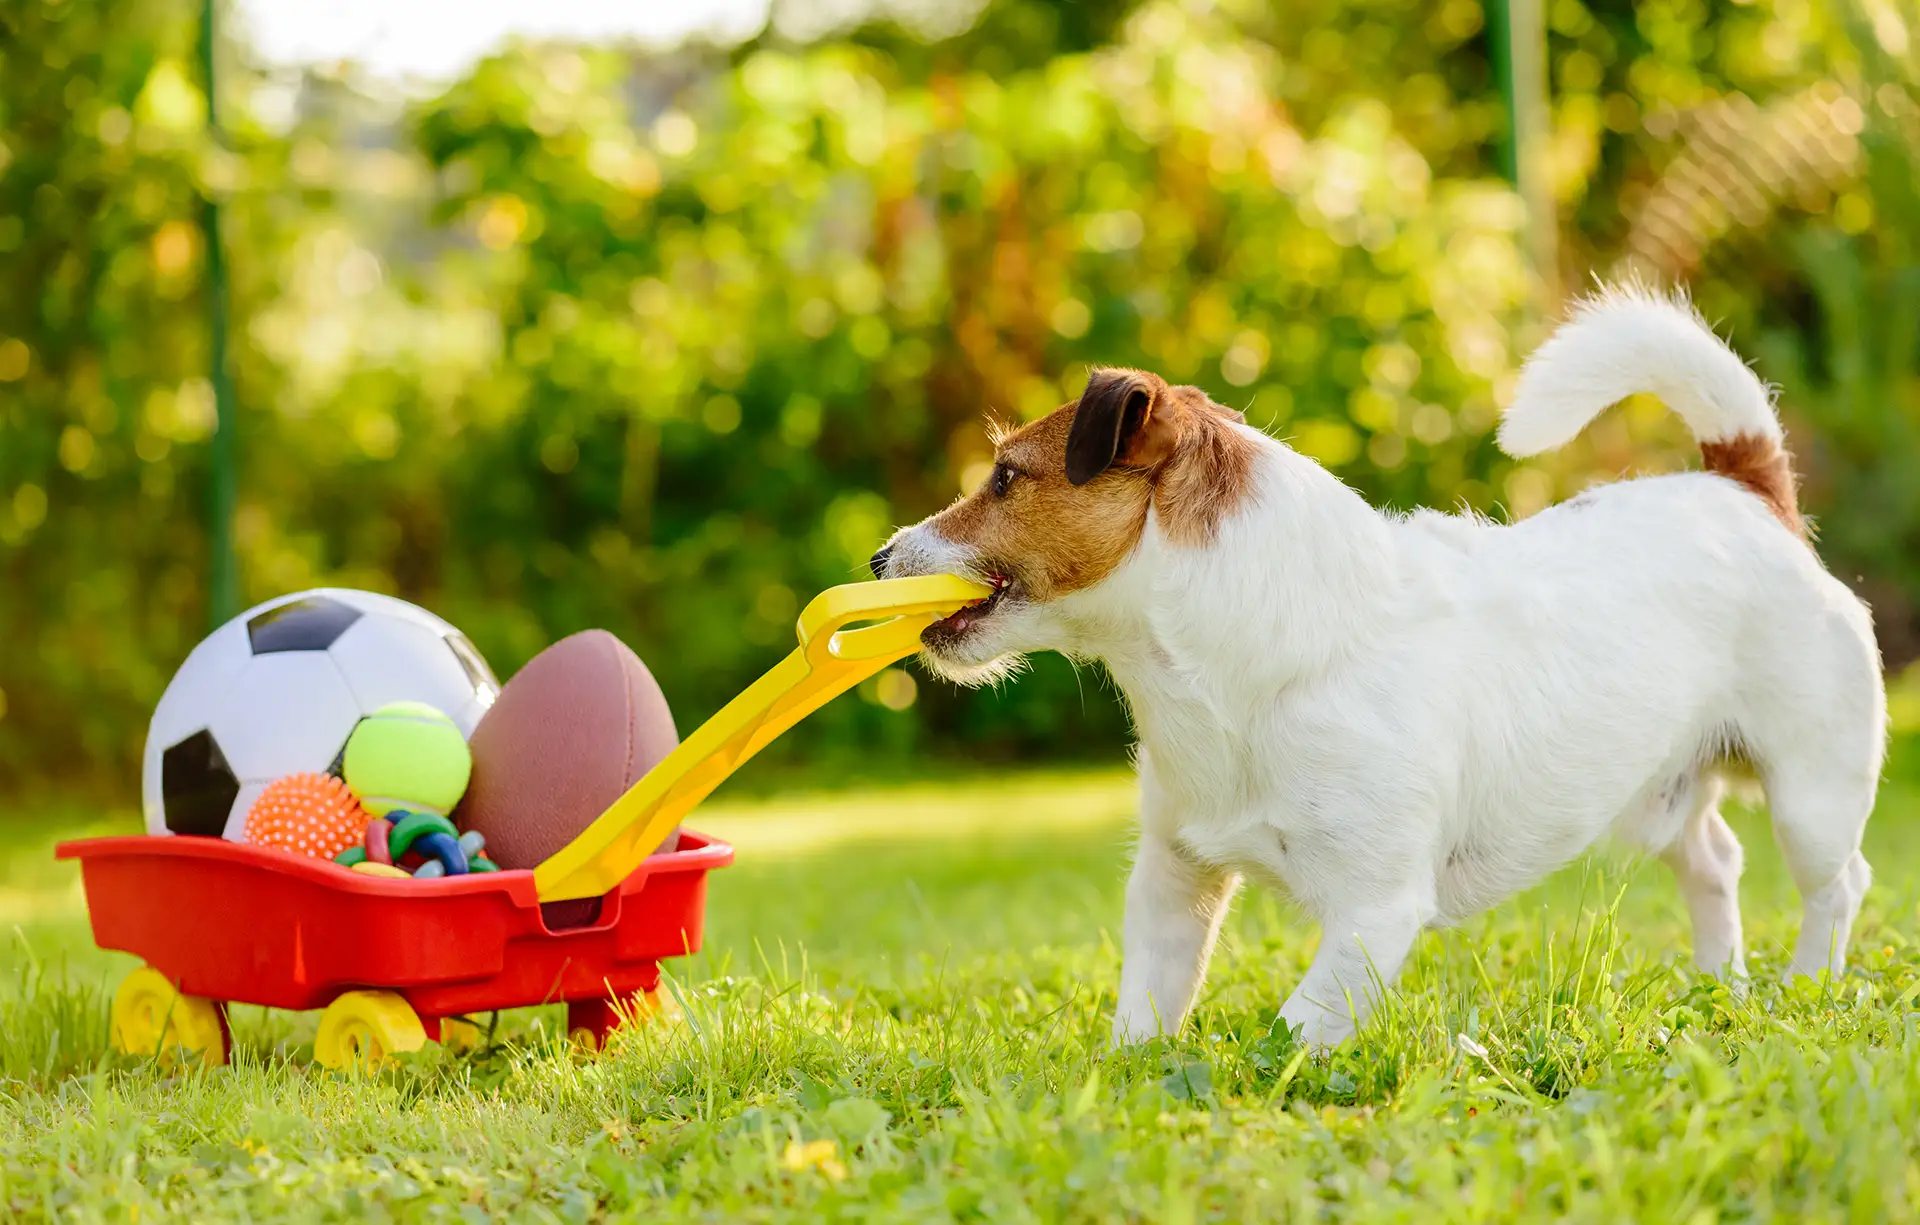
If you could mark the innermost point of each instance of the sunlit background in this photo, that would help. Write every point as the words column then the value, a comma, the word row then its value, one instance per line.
column 658, row 316
column 421, row 45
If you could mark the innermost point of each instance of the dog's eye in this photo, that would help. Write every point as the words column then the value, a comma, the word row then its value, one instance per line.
column 1002, row 478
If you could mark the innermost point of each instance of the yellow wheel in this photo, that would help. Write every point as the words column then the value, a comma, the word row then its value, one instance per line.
column 359, row 1030
column 150, row 1017
column 591, row 1024
column 460, row 1034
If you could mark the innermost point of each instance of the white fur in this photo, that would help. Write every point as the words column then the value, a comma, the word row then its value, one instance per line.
column 1403, row 721
column 1628, row 340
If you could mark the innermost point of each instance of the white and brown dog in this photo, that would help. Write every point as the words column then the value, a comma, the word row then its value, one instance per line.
column 1402, row 721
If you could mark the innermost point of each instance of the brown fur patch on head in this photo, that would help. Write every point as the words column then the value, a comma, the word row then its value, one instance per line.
column 1052, row 537
column 1048, row 535
column 1209, row 474
column 1764, row 467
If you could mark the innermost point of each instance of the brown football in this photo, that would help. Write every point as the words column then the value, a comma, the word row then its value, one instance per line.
column 570, row 732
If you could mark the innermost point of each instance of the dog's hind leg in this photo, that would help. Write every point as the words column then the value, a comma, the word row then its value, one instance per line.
column 1819, row 755
column 1706, row 860
column 1818, row 817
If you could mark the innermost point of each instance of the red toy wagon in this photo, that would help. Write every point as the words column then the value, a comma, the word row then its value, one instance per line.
column 395, row 962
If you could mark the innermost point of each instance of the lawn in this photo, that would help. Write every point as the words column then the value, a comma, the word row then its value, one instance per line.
column 901, row 1014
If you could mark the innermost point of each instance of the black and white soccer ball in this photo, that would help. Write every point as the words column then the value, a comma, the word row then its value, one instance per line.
column 277, row 691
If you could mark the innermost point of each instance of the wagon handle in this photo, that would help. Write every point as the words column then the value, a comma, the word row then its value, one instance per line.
column 830, row 660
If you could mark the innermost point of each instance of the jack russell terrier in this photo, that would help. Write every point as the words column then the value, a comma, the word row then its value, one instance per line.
column 1400, row 721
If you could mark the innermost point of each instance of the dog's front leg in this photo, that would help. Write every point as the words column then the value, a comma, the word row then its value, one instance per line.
column 1361, row 951
column 1174, row 908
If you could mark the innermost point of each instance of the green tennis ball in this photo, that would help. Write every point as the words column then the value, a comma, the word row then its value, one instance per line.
column 407, row 755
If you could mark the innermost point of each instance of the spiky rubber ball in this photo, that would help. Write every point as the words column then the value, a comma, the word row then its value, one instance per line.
column 308, row 814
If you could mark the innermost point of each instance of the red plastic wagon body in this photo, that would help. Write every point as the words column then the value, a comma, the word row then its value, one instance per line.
column 226, row 921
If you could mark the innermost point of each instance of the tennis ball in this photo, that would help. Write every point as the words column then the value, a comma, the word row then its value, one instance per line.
column 407, row 755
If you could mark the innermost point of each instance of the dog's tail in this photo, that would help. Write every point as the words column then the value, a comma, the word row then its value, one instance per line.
column 1627, row 340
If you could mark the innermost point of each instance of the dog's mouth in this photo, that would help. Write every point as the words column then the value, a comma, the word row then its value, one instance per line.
column 947, row 629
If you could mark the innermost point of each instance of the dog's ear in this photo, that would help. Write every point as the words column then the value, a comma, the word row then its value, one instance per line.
column 1123, row 418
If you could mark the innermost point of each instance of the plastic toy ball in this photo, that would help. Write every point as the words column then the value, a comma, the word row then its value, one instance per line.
column 308, row 814
column 279, row 689
column 407, row 755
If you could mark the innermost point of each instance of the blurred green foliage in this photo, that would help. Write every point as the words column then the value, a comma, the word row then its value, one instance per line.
column 665, row 343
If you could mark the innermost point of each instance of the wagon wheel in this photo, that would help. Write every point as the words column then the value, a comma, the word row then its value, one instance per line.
column 461, row 1034
column 151, row 1017
column 591, row 1022
column 361, row 1029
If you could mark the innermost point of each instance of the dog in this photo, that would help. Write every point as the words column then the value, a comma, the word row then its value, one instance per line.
column 1400, row 721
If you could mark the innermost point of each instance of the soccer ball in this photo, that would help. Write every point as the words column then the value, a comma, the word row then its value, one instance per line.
column 277, row 691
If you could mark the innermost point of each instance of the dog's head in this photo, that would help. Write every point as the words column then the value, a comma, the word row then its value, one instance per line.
column 1064, row 507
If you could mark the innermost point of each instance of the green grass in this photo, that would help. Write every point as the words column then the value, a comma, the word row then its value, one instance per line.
column 901, row 1014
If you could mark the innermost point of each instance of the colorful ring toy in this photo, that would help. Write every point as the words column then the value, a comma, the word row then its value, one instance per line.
column 408, row 828
column 443, row 852
column 375, row 847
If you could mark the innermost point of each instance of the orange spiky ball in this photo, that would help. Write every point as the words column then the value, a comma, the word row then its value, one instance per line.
column 308, row 814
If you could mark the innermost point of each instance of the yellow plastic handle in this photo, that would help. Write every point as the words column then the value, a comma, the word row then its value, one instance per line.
column 830, row 660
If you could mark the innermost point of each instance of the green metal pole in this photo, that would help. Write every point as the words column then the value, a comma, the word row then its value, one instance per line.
column 1518, row 31
column 223, row 583
column 1500, row 40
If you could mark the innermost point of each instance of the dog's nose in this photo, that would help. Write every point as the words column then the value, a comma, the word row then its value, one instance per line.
column 878, row 561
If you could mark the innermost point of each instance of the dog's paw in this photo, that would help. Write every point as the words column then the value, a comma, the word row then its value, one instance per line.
column 1320, row 1030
